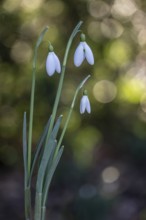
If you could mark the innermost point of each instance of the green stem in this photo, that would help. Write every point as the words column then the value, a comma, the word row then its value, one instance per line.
column 75, row 31
column 31, row 120
column 27, row 199
column 27, row 191
column 43, row 212
column 40, row 38
column 38, row 201
column 29, row 149
column 31, row 110
column 69, row 114
column 28, row 195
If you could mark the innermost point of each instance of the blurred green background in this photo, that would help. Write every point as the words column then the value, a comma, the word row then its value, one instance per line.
column 102, row 174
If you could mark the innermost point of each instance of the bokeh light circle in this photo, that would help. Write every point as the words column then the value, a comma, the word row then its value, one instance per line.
column 21, row 52
column 110, row 174
column 104, row 91
column 98, row 9
column 122, row 8
column 111, row 28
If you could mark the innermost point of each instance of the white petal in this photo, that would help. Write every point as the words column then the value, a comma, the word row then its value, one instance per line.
column 79, row 55
column 88, row 107
column 83, row 104
column 88, row 54
column 57, row 63
column 50, row 64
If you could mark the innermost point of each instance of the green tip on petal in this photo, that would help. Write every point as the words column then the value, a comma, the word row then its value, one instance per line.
column 85, row 92
column 83, row 37
column 51, row 47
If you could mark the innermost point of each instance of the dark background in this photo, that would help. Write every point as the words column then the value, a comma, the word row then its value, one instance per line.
column 102, row 174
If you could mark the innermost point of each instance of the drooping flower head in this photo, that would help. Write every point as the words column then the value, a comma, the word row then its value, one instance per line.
column 83, row 51
column 52, row 62
column 85, row 103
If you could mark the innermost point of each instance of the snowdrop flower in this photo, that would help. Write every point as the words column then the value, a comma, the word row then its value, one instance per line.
column 82, row 52
column 85, row 104
column 52, row 62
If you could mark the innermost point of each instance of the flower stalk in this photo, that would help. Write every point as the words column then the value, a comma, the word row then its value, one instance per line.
column 70, row 112
column 75, row 31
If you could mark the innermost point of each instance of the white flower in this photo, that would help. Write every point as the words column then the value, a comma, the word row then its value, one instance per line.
column 83, row 51
column 85, row 104
column 52, row 64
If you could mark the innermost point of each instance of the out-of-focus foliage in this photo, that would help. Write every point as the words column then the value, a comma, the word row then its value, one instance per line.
column 105, row 152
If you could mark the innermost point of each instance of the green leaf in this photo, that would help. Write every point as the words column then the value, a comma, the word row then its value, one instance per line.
column 39, row 147
column 49, row 163
column 25, row 146
column 55, row 131
column 49, row 148
column 56, row 127
column 50, row 172
column 45, row 158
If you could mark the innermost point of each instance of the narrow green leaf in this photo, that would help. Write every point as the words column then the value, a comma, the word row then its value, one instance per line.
column 49, row 163
column 39, row 146
column 25, row 147
column 56, row 127
column 50, row 172
column 47, row 155
column 54, row 132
